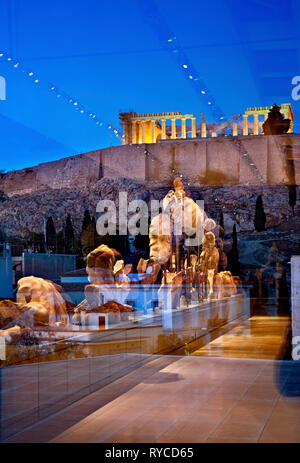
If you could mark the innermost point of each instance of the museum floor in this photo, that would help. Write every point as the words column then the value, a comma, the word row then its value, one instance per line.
column 184, row 399
column 260, row 336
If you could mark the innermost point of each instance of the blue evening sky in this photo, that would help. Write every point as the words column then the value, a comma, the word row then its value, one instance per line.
column 114, row 55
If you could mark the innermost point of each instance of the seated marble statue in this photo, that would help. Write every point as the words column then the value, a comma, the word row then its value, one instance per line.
column 108, row 281
column 41, row 302
column 100, row 264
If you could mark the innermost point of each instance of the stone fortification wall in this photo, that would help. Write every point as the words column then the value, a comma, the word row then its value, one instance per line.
column 242, row 160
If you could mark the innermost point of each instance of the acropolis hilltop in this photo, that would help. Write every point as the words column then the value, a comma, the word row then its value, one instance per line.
column 156, row 147
column 152, row 128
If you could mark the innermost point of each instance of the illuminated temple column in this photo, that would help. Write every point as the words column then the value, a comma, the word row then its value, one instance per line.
column 125, row 134
column 245, row 124
column 255, row 129
column 183, row 128
column 133, row 132
column 173, row 133
column 153, row 131
column 265, row 117
column 203, row 130
column 194, row 127
column 143, row 132
column 163, row 129
column 234, row 129
column 286, row 116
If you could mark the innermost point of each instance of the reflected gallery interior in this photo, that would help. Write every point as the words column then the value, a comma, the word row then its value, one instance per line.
column 150, row 283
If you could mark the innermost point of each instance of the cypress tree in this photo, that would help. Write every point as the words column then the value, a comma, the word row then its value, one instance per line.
column 50, row 234
column 86, row 220
column 3, row 197
column 2, row 235
column 234, row 237
column 292, row 196
column 40, row 242
column 221, row 224
column 69, row 235
column 260, row 216
column 234, row 262
column 60, row 239
column 89, row 237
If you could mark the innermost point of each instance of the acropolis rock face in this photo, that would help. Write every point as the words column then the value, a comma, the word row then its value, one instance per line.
column 240, row 160
column 23, row 214
column 214, row 170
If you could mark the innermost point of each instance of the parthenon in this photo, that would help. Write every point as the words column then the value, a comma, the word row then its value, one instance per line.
column 156, row 127
column 151, row 128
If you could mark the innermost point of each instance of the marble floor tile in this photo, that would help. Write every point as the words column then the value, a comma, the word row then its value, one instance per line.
column 183, row 399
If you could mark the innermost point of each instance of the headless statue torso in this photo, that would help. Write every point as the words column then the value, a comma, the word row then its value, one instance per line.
column 209, row 259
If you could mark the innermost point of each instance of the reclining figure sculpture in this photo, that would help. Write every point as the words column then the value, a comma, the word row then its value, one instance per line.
column 41, row 302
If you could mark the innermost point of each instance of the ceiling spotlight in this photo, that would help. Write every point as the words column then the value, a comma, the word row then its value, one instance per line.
column 209, row 102
column 190, row 77
column 75, row 103
column 202, row 91
column 36, row 81
column 30, row 74
column 8, row 59
column 16, row 65
column 185, row 66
